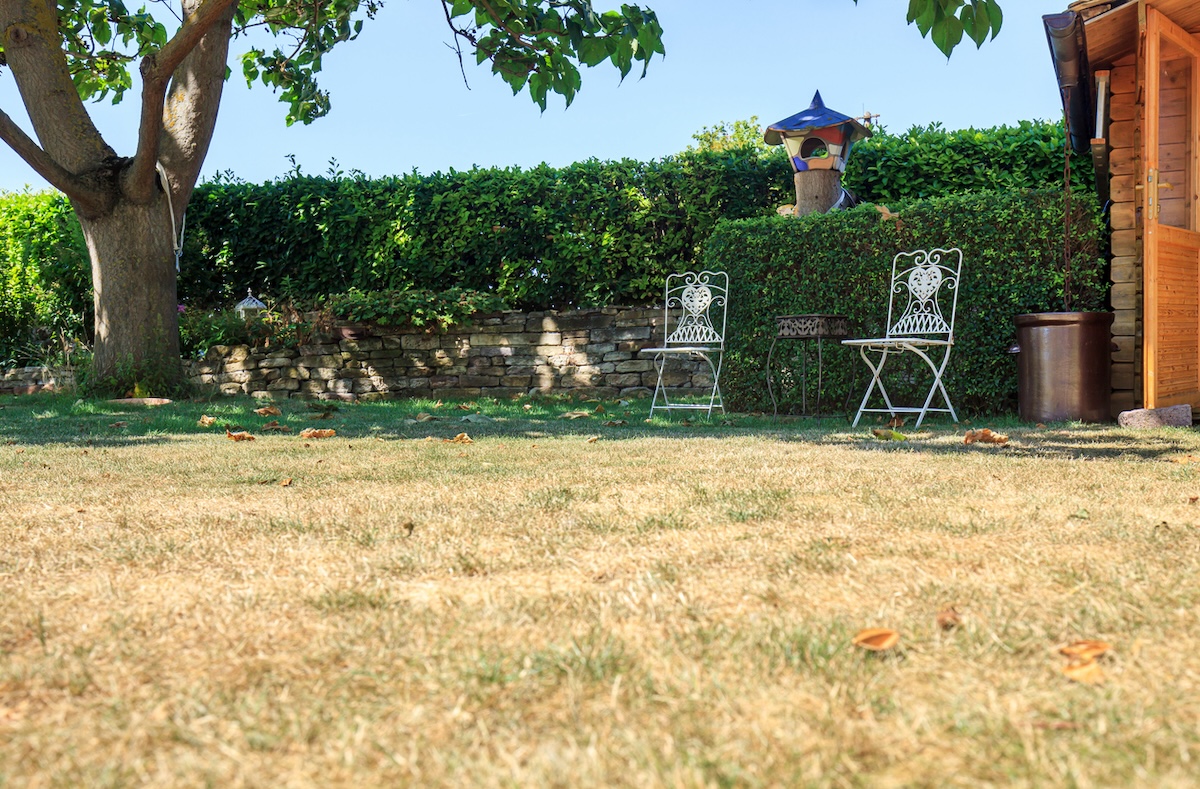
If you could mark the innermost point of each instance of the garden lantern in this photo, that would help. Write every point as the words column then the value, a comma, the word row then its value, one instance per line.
column 249, row 307
column 818, row 142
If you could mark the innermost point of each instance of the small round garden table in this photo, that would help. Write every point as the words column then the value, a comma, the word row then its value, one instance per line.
column 809, row 327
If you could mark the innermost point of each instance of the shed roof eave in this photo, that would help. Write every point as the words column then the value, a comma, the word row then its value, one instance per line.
column 1112, row 35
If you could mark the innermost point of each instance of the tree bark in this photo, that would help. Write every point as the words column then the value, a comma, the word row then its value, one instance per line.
column 134, row 284
column 817, row 191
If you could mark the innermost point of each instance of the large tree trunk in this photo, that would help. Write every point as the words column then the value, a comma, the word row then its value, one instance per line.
column 121, row 203
column 137, row 318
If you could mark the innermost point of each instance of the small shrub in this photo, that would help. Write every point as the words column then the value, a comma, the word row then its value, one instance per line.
column 419, row 307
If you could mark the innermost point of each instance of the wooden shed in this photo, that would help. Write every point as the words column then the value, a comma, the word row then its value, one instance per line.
column 1137, row 109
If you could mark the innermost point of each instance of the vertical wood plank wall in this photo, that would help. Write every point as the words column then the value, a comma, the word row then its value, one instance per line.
column 1124, row 136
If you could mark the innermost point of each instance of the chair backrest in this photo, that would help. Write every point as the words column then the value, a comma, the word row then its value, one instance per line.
column 694, row 311
column 924, row 291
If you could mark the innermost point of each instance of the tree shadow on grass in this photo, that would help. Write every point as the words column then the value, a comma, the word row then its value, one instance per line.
column 1057, row 442
column 62, row 419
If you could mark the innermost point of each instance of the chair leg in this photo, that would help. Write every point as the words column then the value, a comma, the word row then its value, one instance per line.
column 875, row 382
column 659, row 362
column 714, row 397
column 937, row 384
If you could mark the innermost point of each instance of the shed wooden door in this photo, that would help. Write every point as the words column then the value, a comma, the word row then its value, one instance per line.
column 1171, row 214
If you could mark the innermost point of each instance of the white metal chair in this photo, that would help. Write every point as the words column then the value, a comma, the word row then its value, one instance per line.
column 923, row 292
column 694, row 307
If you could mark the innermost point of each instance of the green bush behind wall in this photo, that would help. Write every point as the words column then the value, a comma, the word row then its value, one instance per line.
column 838, row 263
column 45, row 277
column 587, row 234
column 929, row 161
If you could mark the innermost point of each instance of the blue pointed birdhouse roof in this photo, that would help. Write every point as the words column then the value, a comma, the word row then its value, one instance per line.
column 817, row 116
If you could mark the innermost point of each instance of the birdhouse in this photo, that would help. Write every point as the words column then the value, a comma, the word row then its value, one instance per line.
column 818, row 142
column 249, row 307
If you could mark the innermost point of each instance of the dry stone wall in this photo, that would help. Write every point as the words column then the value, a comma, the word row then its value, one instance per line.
column 593, row 352
column 29, row 380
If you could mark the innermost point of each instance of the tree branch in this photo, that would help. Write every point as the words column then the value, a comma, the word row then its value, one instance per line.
column 191, row 110
column 137, row 183
column 41, row 162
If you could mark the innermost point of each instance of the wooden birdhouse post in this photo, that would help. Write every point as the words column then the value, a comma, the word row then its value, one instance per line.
column 818, row 142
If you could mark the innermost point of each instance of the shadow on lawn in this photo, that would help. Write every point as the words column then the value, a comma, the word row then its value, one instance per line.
column 50, row 419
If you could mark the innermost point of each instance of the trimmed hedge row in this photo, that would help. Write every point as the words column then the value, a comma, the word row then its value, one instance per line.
column 588, row 234
column 1012, row 245
column 929, row 161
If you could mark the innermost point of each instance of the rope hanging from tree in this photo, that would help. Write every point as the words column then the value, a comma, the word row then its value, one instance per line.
column 176, row 236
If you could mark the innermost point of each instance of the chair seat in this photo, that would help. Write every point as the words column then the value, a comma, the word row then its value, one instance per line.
column 682, row 349
column 896, row 342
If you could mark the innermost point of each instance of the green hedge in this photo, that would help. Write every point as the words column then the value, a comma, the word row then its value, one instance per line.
column 591, row 233
column 45, row 278
column 838, row 263
column 588, row 234
column 929, row 161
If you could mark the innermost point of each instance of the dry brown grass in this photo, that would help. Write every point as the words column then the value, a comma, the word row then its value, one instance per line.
column 639, row 611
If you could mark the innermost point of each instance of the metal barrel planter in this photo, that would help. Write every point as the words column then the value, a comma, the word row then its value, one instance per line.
column 1064, row 366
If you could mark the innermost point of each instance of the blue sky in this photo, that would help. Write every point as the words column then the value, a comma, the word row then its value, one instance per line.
column 399, row 101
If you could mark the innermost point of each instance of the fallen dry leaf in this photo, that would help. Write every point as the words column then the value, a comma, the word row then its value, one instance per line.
column 1040, row 425
column 425, row 417
column 241, row 435
column 118, row 424
column 949, row 618
column 1083, row 651
column 876, row 639
column 286, row 482
column 615, row 423
column 897, row 421
column 528, row 406
column 599, row 409
column 984, row 436
column 593, row 439
column 575, row 415
column 314, row 432
column 274, row 427
column 886, row 212
column 268, row 410
column 206, row 420
column 1193, row 499
column 1087, row 672
column 461, row 438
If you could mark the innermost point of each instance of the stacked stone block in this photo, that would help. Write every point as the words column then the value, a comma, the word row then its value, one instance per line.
column 592, row 352
column 28, row 380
